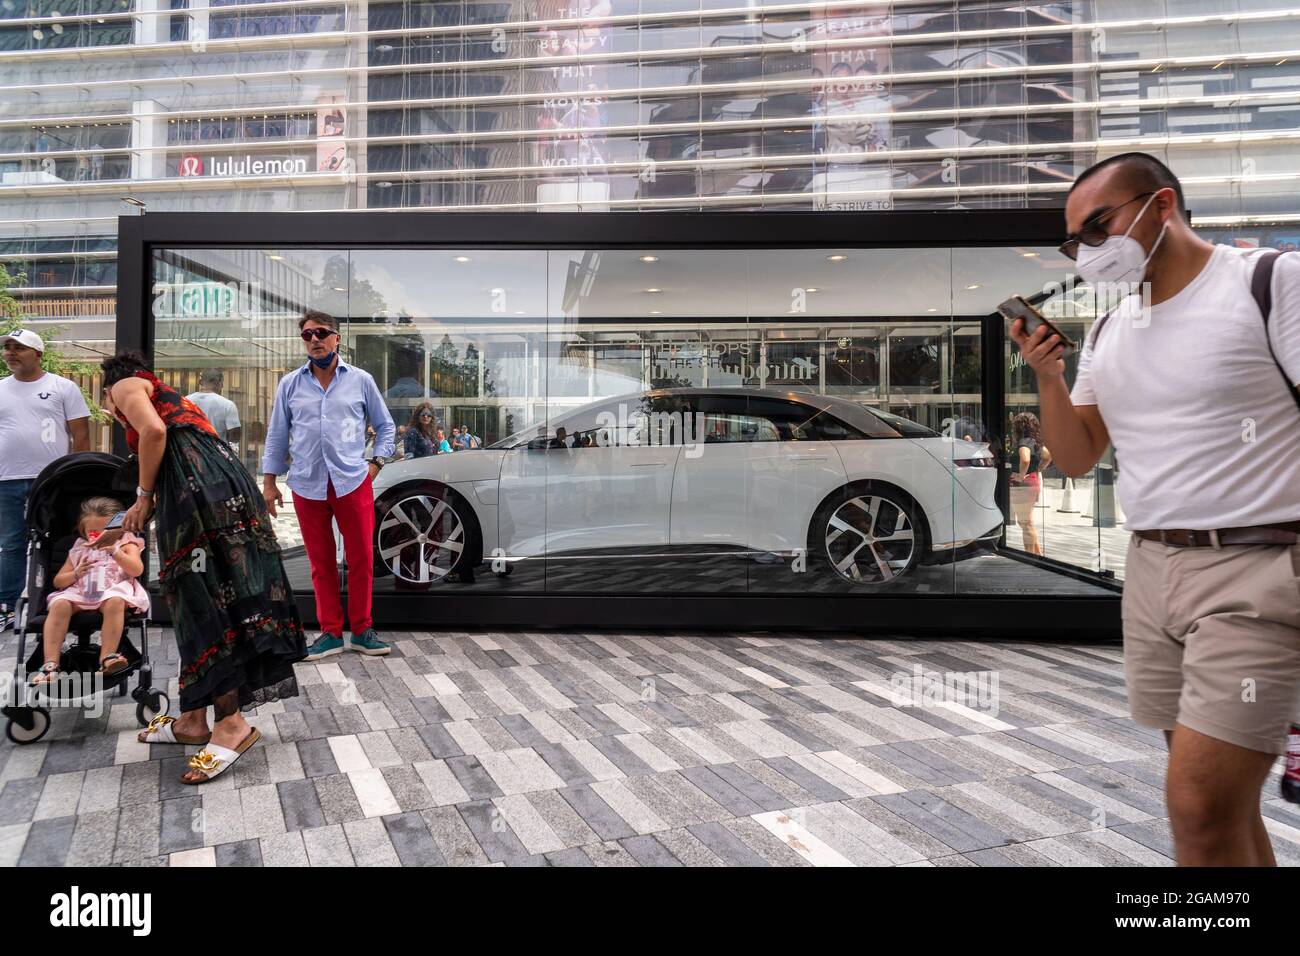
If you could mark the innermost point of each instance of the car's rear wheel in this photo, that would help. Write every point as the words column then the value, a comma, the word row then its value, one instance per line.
column 869, row 535
column 425, row 532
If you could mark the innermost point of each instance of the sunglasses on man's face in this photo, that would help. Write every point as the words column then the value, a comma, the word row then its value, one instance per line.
column 318, row 334
column 1093, row 232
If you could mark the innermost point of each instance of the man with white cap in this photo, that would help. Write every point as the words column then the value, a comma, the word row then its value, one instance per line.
column 43, row 416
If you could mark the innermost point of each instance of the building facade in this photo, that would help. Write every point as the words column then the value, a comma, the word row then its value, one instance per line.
column 134, row 107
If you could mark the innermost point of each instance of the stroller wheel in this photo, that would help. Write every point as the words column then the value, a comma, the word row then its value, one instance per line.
column 153, row 705
column 18, row 731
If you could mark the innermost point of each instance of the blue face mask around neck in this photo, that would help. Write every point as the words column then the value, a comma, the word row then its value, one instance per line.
column 325, row 362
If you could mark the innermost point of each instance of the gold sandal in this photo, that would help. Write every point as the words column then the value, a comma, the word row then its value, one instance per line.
column 214, row 760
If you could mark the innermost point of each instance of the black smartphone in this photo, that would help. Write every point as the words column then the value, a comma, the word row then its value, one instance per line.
column 1017, row 307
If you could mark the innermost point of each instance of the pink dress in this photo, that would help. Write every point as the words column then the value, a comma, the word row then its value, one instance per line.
column 107, row 573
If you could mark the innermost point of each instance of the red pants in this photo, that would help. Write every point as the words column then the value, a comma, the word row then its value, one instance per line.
column 355, row 513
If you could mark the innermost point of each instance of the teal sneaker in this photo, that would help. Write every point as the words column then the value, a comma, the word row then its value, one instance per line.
column 368, row 642
column 327, row 645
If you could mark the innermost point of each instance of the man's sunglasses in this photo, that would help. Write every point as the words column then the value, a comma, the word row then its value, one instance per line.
column 1093, row 233
column 318, row 333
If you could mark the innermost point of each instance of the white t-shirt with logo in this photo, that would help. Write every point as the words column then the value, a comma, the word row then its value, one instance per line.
column 34, row 420
column 1205, row 434
column 220, row 410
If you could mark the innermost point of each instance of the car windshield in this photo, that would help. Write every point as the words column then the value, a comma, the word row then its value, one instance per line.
column 904, row 426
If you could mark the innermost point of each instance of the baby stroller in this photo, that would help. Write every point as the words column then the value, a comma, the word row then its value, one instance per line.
column 53, row 506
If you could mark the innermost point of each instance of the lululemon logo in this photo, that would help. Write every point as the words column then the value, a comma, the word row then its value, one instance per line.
column 191, row 166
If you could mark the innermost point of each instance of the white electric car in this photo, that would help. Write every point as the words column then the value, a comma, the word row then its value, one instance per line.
column 855, row 491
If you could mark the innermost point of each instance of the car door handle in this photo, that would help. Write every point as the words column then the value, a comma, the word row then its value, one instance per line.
column 807, row 457
column 648, row 464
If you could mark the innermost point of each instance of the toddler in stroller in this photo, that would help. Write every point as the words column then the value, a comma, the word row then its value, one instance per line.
column 56, row 529
column 100, row 574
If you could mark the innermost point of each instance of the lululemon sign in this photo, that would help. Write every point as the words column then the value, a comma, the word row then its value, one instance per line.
column 191, row 165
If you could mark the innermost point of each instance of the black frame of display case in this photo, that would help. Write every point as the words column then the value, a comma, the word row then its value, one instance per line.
column 1066, row 615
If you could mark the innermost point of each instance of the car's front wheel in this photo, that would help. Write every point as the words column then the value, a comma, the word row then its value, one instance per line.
column 424, row 532
column 869, row 535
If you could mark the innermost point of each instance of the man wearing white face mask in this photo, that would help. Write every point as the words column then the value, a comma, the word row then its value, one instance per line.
column 1198, row 394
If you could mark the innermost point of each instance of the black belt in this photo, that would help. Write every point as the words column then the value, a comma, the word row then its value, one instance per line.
column 1283, row 533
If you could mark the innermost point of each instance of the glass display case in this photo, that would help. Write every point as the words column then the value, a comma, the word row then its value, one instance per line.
column 668, row 407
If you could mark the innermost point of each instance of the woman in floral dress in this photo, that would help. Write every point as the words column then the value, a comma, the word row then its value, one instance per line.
column 237, row 627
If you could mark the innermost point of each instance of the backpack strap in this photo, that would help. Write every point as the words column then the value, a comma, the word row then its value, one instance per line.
column 1097, row 327
column 1261, row 289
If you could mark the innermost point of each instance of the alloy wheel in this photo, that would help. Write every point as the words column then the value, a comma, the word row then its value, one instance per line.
column 870, row 540
column 421, row 538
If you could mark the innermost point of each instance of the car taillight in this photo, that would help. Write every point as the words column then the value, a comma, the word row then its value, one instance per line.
column 973, row 462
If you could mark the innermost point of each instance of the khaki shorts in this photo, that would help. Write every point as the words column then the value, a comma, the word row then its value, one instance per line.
column 1212, row 640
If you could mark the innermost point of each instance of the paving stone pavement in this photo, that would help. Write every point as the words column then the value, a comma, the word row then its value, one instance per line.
column 627, row 749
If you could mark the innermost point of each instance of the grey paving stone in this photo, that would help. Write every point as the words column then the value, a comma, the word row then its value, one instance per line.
column 761, row 795
column 524, row 733
column 618, row 754
column 721, row 791
column 473, row 777
column 572, row 856
column 565, row 765
column 408, row 789
column 562, row 818
column 139, row 783
column 239, row 853
column 726, row 845
column 317, row 758
column 338, row 801
column 180, row 828
column 300, row 804
column 687, row 847
column 18, row 800
column 284, row 849
column 48, row 842
column 94, row 839
column 369, row 843
column 454, row 838
column 409, row 744
column 596, row 813
column 440, row 743
column 609, row 854
column 491, row 830
column 822, row 789
column 137, row 832
column 648, row 851
column 411, row 839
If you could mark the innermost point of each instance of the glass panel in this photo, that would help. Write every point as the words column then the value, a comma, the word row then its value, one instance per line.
column 696, row 421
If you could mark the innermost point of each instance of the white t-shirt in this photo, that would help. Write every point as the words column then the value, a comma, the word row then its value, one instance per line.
column 220, row 410
column 34, row 420
column 1204, row 431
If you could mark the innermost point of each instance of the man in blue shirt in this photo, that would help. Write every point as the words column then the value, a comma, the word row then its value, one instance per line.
column 318, row 434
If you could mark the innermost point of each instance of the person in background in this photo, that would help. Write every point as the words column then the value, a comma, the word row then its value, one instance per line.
column 457, row 439
column 323, row 408
column 444, row 446
column 469, row 439
column 1031, row 457
column 220, row 410
column 43, row 416
column 421, row 439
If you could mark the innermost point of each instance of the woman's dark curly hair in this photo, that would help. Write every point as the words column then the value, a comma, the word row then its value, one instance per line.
column 123, row 365
column 1025, row 425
